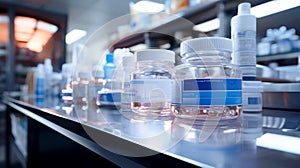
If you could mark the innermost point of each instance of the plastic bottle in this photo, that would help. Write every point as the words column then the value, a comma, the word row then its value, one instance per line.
column 208, row 84
column 109, row 67
column 129, row 64
column 243, row 34
column 48, row 80
column 80, row 89
column 152, row 82
column 40, row 81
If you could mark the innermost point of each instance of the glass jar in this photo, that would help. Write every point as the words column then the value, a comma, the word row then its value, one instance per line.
column 152, row 83
column 208, row 84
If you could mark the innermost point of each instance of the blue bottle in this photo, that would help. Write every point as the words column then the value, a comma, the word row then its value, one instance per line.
column 109, row 67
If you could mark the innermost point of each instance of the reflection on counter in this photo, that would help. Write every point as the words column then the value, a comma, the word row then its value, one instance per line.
column 281, row 95
column 223, row 145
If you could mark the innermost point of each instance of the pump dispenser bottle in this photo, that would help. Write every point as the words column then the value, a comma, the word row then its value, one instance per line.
column 243, row 34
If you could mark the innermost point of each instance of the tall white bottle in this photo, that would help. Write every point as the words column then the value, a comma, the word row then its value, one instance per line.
column 243, row 34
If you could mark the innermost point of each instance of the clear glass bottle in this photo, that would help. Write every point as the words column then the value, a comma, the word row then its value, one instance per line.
column 152, row 83
column 66, row 83
column 96, row 84
column 80, row 89
column 208, row 84
column 129, row 64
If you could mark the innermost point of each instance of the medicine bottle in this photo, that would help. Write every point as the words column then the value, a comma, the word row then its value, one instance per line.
column 243, row 35
column 208, row 85
column 80, row 89
column 129, row 65
column 95, row 84
column 152, row 82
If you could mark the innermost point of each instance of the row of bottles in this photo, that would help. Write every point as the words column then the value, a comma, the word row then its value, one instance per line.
column 209, row 83
column 42, row 81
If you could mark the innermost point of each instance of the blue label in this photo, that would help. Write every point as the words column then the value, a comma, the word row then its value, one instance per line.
column 212, row 84
column 39, row 87
column 205, row 92
column 254, row 100
column 109, row 97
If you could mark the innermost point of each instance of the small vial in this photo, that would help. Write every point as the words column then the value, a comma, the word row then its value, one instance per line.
column 66, row 84
column 95, row 84
column 80, row 89
column 208, row 85
column 129, row 65
column 152, row 83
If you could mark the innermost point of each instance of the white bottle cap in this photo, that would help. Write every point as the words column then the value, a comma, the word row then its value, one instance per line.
column 206, row 43
column 243, row 21
column 40, row 70
column 244, row 9
column 67, row 69
column 155, row 55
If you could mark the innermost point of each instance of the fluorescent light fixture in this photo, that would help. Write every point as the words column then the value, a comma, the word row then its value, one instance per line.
column 148, row 7
column 274, row 6
column 75, row 35
column 208, row 26
column 46, row 26
column 279, row 142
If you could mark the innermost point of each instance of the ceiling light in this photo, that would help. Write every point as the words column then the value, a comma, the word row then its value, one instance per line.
column 279, row 142
column 208, row 26
column 75, row 35
column 274, row 6
column 46, row 26
column 148, row 7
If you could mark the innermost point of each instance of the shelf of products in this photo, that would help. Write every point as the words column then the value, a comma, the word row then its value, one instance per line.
column 179, row 21
column 290, row 55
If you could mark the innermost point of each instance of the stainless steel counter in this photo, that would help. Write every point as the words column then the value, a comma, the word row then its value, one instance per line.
column 281, row 95
column 254, row 140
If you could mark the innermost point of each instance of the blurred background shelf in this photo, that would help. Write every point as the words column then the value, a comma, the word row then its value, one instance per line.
column 280, row 56
column 184, row 20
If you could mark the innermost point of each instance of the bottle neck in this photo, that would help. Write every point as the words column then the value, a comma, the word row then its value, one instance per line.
column 207, row 57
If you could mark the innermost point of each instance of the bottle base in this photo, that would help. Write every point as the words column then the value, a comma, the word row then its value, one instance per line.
column 204, row 112
column 151, row 109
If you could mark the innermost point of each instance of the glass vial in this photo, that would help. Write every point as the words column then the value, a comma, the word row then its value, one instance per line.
column 95, row 84
column 152, row 83
column 129, row 64
column 208, row 84
column 80, row 89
